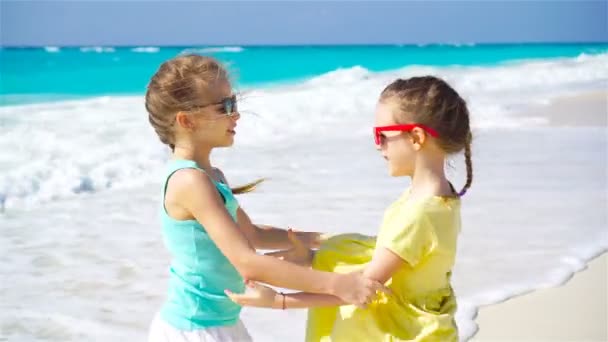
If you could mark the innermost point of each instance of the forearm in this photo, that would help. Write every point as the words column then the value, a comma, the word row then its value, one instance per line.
column 268, row 237
column 302, row 300
column 280, row 273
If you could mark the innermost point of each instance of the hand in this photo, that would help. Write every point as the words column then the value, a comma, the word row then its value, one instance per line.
column 298, row 254
column 256, row 295
column 354, row 288
column 311, row 239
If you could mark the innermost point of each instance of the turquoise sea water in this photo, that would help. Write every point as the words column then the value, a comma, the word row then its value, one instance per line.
column 46, row 74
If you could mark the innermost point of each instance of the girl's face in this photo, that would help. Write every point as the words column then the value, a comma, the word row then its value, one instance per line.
column 396, row 147
column 214, row 124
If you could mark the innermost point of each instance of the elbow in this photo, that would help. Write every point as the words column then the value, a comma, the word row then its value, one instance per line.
column 246, row 265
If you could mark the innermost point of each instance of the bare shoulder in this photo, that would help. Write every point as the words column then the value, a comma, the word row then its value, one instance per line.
column 185, row 188
column 185, row 180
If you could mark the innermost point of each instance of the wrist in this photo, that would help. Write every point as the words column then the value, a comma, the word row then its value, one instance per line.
column 334, row 284
column 279, row 301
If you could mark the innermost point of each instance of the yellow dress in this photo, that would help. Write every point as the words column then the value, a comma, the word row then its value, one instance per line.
column 422, row 306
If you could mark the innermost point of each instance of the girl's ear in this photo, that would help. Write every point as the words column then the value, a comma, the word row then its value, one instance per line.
column 184, row 120
column 418, row 136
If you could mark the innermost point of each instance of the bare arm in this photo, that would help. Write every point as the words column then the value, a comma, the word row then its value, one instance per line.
column 205, row 204
column 383, row 265
column 268, row 237
column 265, row 236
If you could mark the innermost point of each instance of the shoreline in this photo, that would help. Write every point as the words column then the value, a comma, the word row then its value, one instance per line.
column 573, row 311
column 576, row 309
column 584, row 109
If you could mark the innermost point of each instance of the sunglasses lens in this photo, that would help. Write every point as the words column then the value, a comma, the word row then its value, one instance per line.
column 230, row 105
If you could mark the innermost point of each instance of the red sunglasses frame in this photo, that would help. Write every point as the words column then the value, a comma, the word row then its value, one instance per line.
column 401, row 128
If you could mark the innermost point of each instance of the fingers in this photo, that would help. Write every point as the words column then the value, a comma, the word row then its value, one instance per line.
column 366, row 302
column 378, row 286
column 254, row 285
column 372, row 288
column 235, row 297
column 243, row 298
column 294, row 239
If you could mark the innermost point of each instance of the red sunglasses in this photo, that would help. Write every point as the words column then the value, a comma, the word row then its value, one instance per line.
column 378, row 137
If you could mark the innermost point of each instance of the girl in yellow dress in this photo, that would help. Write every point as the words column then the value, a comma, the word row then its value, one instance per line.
column 419, row 122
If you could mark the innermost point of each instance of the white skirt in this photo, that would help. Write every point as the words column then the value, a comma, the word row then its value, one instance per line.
column 161, row 331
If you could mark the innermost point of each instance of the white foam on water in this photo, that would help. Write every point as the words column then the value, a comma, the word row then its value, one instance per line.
column 97, row 49
column 63, row 149
column 146, row 49
column 52, row 49
column 218, row 49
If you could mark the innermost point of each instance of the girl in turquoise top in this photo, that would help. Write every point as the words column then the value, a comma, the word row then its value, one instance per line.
column 211, row 239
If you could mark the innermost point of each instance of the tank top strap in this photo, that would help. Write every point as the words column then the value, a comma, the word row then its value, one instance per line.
column 176, row 165
column 223, row 189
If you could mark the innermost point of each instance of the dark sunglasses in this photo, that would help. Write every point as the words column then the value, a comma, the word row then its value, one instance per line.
column 229, row 107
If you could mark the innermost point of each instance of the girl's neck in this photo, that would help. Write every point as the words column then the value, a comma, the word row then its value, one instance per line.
column 199, row 155
column 429, row 180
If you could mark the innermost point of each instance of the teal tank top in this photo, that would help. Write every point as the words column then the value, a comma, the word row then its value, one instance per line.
column 199, row 272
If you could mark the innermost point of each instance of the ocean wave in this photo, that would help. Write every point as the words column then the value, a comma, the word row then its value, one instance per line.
column 223, row 49
column 52, row 49
column 454, row 44
column 146, row 49
column 56, row 161
column 341, row 76
column 97, row 49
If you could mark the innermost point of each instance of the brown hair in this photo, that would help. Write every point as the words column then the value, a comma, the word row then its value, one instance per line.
column 182, row 84
column 432, row 102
